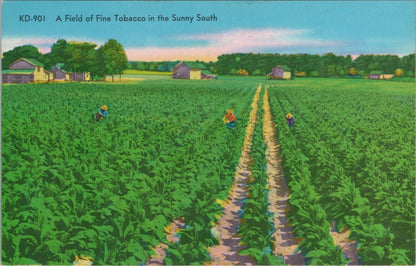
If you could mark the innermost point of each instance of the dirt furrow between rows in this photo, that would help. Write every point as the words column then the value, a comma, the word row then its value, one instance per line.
column 171, row 236
column 347, row 245
column 229, row 240
column 285, row 241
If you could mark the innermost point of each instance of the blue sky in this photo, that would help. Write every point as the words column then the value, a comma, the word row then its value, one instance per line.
column 315, row 27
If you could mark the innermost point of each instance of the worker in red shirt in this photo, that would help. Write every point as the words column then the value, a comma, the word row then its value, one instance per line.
column 229, row 119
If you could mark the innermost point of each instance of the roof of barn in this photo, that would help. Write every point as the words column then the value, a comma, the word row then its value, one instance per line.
column 191, row 65
column 284, row 67
column 18, row 71
column 31, row 61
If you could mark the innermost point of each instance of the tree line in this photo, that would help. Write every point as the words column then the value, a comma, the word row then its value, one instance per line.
column 327, row 65
column 162, row 66
column 108, row 59
column 111, row 59
column 302, row 65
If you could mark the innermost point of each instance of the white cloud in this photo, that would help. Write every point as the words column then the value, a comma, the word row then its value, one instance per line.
column 8, row 43
column 233, row 41
column 202, row 46
column 248, row 39
column 173, row 53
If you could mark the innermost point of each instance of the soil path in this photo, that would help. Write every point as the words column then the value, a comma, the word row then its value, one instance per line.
column 171, row 235
column 227, row 229
column 348, row 246
column 285, row 241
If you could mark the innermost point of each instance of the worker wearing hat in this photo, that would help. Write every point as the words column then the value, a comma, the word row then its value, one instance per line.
column 101, row 113
column 290, row 120
column 229, row 119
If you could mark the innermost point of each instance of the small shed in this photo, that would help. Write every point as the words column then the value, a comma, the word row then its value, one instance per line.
column 378, row 74
column 59, row 72
column 375, row 74
column 77, row 76
column 280, row 72
column 84, row 76
column 26, row 70
column 191, row 70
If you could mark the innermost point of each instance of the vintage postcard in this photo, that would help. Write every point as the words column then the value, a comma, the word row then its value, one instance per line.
column 207, row 132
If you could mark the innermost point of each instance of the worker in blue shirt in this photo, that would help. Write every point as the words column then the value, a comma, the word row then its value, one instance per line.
column 101, row 113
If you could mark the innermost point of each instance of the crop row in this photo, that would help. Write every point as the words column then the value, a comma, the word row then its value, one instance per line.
column 351, row 155
column 256, row 227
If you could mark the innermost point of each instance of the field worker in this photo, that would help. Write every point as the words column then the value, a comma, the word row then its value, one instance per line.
column 101, row 113
column 290, row 120
column 229, row 119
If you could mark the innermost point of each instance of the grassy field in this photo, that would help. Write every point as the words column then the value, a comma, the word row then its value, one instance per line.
column 145, row 72
column 131, row 76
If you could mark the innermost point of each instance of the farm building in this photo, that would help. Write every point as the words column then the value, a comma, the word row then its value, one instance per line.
column 280, row 72
column 191, row 70
column 26, row 70
column 378, row 74
column 77, row 76
column 61, row 74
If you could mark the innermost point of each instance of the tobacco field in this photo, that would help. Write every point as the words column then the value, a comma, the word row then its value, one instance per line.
column 350, row 159
column 72, row 186
column 107, row 189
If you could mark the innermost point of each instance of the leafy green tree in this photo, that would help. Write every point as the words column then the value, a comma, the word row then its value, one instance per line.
column 153, row 66
column 361, row 63
column 407, row 64
column 409, row 74
column 133, row 65
column 60, row 52
column 329, row 61
column 113, row 58
column 26, row 51
column 80, row 56
column 93, row 63
column 333, row 70
column 257, row 72
column 314, row 74
column 389, row 63
column 213, row 69
column 143, row 66
column 348, row 62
